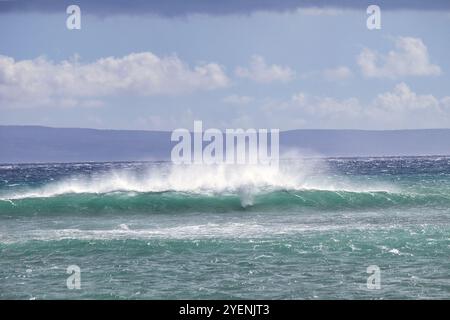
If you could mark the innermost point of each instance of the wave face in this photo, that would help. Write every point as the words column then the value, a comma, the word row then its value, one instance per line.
column 165, row 188
column 169, row 188
column 175, row 202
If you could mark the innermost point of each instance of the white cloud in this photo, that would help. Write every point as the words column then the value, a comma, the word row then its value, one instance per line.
column 401, row 98
column 409, row 59
column 399, row 108
column 338, row 73
column 403, row 108
column 238, row 100
column 43, row 82
column 259, row 71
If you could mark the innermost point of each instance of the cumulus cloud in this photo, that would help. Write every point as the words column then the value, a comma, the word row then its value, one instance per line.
column 399, row 108
column 68, row 83
column 402, row 98
column 260, row 71
column 410, row 58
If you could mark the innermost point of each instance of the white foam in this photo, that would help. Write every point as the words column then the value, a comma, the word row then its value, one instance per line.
column 228, row 230
column 244, row 180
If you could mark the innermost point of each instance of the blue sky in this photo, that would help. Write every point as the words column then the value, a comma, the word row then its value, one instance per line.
column 306, row 67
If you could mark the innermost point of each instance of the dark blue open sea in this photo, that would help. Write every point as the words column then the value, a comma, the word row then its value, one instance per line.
column 158, row 231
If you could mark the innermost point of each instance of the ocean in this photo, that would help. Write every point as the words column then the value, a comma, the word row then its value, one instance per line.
column 153, row 230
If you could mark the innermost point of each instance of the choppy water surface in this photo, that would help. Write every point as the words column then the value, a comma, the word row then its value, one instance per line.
column 153, row 230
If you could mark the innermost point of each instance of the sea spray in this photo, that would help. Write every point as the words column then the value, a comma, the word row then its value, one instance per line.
column 199, row 179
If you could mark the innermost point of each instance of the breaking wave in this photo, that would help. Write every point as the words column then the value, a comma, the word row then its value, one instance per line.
column 165, row 188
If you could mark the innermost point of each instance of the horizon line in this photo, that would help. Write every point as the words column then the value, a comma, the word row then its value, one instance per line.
column 168, row 130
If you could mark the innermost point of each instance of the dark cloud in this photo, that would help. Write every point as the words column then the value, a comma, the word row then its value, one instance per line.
column 173, row 8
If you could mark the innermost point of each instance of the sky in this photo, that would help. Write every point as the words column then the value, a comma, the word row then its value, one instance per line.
column 231, row 64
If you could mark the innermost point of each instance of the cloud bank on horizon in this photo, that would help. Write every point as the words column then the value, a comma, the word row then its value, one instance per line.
column 272, row 64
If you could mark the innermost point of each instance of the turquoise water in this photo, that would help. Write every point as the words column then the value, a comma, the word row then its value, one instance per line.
column 154, row 231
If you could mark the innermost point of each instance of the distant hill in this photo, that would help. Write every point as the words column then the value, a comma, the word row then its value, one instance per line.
column 25, row 144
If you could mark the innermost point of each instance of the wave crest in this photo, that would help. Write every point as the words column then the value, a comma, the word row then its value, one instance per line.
column 242, row 180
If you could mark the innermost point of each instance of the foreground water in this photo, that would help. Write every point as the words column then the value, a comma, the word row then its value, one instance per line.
column 151, row 230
